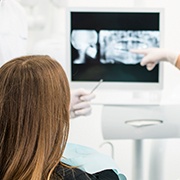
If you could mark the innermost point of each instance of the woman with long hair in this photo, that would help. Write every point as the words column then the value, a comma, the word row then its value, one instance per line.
column 34, row 117
column 34, row 122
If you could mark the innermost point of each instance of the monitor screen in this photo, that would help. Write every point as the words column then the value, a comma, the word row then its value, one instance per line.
column 99, row 43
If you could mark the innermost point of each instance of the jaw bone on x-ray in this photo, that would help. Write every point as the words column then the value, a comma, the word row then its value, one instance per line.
column 85, row 42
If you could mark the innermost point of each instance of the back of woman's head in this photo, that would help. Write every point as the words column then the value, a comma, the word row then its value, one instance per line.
column 34, row 117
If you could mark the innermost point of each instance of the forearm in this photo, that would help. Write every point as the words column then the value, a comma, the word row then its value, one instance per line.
column 177, row 64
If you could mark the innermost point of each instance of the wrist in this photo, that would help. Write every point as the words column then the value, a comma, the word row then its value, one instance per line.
column 172, row 57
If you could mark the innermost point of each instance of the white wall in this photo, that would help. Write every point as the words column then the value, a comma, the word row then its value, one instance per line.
column 87, row 130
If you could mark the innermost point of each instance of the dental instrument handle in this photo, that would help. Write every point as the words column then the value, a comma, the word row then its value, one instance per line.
column 101, row 80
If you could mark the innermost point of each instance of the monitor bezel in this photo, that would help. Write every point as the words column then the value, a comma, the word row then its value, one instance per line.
column 115, row 85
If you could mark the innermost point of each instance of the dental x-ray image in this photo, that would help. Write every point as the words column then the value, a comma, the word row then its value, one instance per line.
column 115, row 45
column 85, row 42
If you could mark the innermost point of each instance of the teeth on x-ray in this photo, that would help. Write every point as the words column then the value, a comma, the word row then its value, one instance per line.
column 115, row 45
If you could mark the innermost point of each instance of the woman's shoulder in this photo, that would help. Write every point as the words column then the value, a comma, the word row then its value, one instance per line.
column 68, row 173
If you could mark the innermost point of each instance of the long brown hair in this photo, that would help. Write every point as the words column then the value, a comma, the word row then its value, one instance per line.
column 34, row 117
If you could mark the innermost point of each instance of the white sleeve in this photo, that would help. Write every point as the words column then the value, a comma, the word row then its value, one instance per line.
column 13, row 31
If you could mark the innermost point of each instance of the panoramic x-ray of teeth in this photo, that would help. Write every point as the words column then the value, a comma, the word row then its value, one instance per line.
column 115, row 45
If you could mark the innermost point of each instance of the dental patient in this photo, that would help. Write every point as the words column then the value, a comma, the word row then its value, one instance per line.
column 34, row 123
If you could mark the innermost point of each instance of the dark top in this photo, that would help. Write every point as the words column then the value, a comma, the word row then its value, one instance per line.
column 65, row 173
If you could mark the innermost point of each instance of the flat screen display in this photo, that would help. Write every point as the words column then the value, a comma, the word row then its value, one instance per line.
column 100, row 42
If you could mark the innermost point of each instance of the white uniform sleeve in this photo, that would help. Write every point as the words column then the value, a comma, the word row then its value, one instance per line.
column 13, row 31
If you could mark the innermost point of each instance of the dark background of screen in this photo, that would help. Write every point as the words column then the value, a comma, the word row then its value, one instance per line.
column 113, row 21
